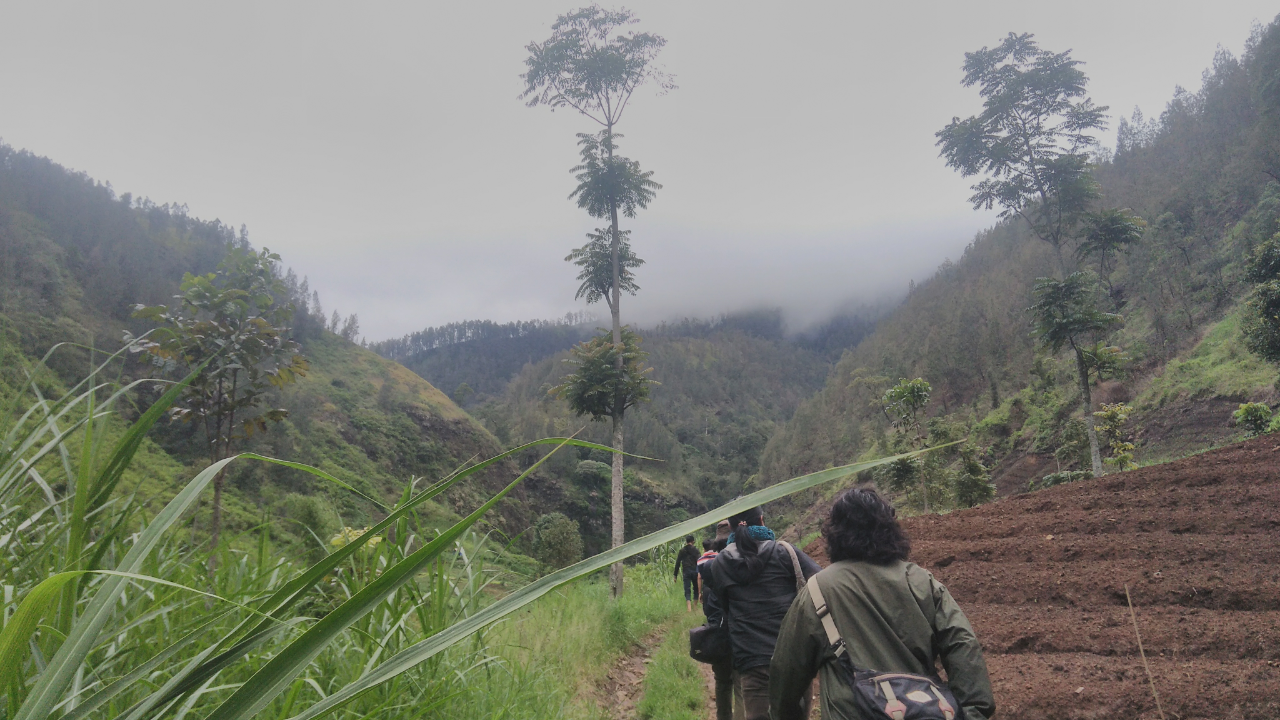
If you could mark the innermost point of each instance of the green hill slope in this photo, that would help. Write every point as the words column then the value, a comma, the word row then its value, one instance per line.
column 1204, row 177
column 75, row 258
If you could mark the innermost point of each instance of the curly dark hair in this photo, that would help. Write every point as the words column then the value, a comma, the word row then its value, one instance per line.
column 863, row 527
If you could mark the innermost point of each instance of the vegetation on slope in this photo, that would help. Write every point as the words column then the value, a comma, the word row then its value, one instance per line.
column 1203, row 176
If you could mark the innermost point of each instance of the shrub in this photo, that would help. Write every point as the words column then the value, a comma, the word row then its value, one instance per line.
column 972, row 484
column 559, row 542
column 1059, row 478
column 1255, row 418
column 1110, row 423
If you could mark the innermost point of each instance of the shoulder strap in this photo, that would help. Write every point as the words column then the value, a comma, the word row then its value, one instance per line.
column 824, row 614
column 795, row 564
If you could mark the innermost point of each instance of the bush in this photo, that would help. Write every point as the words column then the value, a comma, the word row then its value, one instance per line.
column 1059, row 478
column 972, row 483
column 312, row 516
column 1255, row 418
column 1110, row 424
column 558, row 541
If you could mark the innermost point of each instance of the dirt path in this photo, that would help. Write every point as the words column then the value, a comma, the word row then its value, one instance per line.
column 623, row 686
column 1042, row 577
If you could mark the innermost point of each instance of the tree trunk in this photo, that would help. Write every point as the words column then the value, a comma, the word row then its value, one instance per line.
column 924, row 493
column 1086, row 402
column 619, row 529
column 619, row 526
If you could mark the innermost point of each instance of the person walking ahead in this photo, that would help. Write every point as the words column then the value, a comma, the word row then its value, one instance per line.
column 892, row 614
column 687, row 565
column 754, row 579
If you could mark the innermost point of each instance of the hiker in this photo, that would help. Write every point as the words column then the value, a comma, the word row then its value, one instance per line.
column 723, row 670
column 892, row 616
column 687, row 565
column 754, row 580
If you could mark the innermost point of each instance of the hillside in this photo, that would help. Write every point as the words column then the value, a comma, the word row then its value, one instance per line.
column 1042, row 577
column 1203, row 178
column 74, row 259
column 725, row 386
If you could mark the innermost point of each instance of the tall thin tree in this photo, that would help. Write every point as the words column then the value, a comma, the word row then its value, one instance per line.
column 590, row 65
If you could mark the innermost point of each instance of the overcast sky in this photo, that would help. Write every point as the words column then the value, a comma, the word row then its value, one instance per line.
column 382, row 150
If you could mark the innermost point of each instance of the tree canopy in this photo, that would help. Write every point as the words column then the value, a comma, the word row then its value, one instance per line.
column 596, row 262
column 1032, row 137
column 589, row 65
column 596, row 387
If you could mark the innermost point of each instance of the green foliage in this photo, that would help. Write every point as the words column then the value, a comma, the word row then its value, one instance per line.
column 595, row 387
column 972, row 484
column 596, row 262
column 588, row 65
column 1031, row 138
column 904, row 402
column 1261, row 320
column 1254, row 417
column 1220, row 364
column 230, row 323
column 1059, row 478
column 558, row 542
column 1107, row 234
column 609, row 183
column 1065, row 310
column 1074, row 448
column 1110, row 422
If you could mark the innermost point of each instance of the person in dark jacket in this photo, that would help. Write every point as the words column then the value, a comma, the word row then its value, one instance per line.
column 893, row 616
column 722, row 671
column 687, row 565
column 755, row 581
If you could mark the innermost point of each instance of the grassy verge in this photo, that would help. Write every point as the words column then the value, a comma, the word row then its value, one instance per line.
column 578, row 632
column 674, row 687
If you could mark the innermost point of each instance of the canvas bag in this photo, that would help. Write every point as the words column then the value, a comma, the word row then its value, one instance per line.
column 710, row 643
column 886, row 695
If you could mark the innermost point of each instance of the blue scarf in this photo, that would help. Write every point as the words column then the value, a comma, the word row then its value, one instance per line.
column 759, row 532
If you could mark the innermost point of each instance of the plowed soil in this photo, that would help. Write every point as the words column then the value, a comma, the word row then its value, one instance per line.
column 1042, row 577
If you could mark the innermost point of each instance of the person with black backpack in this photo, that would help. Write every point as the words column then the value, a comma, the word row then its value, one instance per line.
column 871, row 625
column 754, row 580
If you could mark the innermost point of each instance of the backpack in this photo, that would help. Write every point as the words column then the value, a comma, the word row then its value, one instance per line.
column 886, row 695
column 710, row 643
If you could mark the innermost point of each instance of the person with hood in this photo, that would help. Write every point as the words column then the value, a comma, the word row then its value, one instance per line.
column 754, row 581
column 892, row 615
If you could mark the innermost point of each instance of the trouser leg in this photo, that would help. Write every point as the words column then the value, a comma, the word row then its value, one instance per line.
column 723, row 673
column 755, row 692
column 691, row 586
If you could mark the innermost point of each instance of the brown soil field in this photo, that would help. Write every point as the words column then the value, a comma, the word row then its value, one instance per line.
column 1042, row 577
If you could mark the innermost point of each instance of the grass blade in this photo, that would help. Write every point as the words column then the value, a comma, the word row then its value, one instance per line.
column 281, row 670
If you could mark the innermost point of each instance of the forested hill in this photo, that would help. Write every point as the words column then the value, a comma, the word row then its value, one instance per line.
column 1203, row 176
column 726, row 385
column 75, row 258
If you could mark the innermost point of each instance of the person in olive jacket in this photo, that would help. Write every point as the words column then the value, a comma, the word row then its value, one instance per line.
column 893, row 615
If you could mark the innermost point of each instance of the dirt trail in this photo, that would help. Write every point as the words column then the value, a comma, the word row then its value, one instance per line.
column 1042, row 577
column 623, row 685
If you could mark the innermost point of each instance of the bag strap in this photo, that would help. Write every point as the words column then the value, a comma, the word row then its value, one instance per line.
column 795, row 564
column 824, row 614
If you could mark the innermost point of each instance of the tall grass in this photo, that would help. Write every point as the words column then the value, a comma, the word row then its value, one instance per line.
column 111, row 612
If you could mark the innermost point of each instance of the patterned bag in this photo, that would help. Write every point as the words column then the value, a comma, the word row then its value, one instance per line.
column 886, row 695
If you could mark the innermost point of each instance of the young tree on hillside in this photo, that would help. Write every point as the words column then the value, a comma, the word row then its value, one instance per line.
column 1065, row 313
column 1105, row 235
column 1031, row 139
column 903, row 403
column 589, row 65
column 231, row 319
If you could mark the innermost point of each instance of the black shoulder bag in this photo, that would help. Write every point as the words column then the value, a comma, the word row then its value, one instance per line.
column 886, row 695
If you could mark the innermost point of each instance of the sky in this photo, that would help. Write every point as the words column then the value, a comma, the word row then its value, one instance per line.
column 383, row 151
